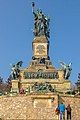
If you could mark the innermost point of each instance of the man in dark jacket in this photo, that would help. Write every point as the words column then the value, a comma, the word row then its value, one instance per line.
column 68, row 112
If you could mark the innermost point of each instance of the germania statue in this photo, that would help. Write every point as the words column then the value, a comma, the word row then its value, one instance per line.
column 41, row 22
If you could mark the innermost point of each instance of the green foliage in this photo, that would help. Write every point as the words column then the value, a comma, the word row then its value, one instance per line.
column 78, row 83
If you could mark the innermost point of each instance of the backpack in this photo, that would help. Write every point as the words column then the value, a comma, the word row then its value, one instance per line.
column 57, row 111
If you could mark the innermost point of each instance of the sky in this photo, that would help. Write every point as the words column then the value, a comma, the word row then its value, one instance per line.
column 16, row 24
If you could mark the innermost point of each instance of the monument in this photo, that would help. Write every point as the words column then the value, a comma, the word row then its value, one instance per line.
column 41, row 75
column 38, row 89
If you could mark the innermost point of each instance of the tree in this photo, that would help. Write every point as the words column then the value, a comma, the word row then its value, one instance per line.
column 78, row 83
column 2, row 86
column 1, row 80
column 8, row 84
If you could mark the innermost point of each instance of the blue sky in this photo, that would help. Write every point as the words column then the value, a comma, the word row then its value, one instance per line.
column 16, row 23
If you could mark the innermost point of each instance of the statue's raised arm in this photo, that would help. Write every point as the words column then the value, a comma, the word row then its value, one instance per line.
column 33, row 8
column 33, row 5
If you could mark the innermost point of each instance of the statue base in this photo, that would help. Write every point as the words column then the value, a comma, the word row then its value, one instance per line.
column 15, row 86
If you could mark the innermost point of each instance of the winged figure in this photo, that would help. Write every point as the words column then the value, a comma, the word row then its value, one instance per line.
column 15, row 70
column 67, row 69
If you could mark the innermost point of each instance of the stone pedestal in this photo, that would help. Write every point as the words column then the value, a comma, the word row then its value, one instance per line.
column 61, row 74
column 40, row 47
column 15, row 86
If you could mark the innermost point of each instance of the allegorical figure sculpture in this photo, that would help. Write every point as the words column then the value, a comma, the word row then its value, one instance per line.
column 41, row 87
column 67, row 69
column 41, row 22
column 15, row 70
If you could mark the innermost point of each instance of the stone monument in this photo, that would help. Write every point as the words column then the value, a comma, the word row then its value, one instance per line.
column 41, row 73
column 41, row 85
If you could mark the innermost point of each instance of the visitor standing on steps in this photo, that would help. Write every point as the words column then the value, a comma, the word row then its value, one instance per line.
column 61, row 108
column 68, row 112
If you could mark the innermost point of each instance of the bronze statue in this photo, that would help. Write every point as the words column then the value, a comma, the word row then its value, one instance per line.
column 15, row 70
column 41, row 87
column 41, row 22
column 67, row 69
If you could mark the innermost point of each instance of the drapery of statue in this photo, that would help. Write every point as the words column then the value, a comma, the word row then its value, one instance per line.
column 41, row 22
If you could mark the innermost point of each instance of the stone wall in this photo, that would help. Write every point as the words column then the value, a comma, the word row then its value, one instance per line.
column 74, row 101
column 34, row 106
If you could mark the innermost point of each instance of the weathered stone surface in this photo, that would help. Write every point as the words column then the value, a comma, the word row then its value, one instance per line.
column 74, row 101
column 22, row 107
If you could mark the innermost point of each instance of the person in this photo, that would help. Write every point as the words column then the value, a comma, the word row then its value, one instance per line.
column 68, row 112
column 62, row 108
